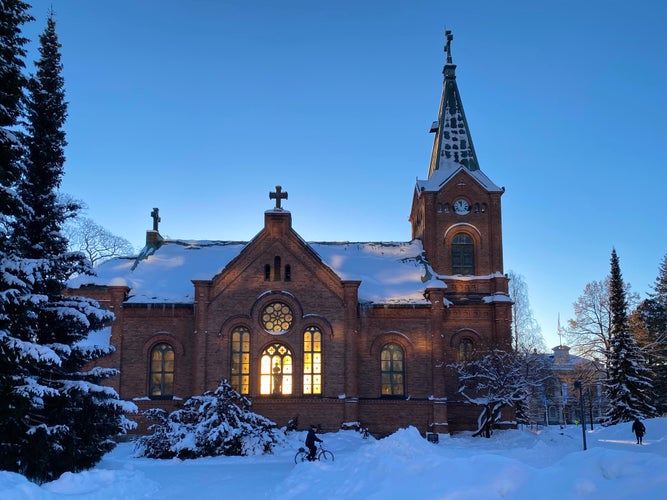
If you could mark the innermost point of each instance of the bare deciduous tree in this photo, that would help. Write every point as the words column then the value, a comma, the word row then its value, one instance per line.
column 95, row 242
column 499, row 380
column 589, row 333
column 526, row 330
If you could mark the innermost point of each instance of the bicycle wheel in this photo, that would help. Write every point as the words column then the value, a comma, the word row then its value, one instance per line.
column 326, row 456
column 301, row 456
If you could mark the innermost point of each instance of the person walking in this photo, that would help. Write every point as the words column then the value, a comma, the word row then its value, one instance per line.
column 639, row 429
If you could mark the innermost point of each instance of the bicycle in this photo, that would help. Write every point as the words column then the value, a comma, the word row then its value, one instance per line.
column 321, row 454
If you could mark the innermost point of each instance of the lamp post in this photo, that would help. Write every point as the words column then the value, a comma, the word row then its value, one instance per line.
column 577, row 385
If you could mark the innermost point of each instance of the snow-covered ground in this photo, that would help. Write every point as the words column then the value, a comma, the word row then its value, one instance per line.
column 548, row 464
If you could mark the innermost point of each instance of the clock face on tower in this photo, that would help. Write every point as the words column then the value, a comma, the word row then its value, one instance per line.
column 461, row 207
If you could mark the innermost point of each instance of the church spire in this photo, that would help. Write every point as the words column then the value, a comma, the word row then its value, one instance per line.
column 453, row 142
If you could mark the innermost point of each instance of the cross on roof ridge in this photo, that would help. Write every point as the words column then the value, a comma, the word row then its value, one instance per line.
column 278, row 195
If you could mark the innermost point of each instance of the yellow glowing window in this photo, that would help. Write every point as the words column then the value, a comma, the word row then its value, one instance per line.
column 161, row 378
column 312, row 361
column 240, row 373
column 275, row 377
column 392, row 370
column 277, row 318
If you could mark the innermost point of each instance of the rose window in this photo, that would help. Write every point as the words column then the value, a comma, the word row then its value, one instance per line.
column 277, row 318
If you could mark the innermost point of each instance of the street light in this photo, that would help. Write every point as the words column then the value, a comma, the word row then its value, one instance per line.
column 577, row 385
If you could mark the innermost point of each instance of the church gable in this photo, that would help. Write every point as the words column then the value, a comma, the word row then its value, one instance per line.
column 276, row 258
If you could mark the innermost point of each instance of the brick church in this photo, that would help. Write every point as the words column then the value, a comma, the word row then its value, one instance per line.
column 332, row 333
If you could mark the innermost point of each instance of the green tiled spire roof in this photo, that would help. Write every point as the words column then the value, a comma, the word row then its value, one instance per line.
column 453, row 142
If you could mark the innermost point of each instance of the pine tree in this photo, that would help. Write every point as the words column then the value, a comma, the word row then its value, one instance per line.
column 66, row 418
column 629, row 388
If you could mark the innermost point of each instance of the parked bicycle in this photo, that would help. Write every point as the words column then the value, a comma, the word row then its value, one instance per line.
column 322, row 454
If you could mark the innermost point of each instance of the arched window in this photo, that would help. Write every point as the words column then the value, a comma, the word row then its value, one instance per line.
column 288, row 272
column 240, row 376
column 466, row 348
column 463, row 254
column 161, row 372
column 276, row 268
column 393, row 370
column 267, row 272
column 312, row 361
column 276, row 371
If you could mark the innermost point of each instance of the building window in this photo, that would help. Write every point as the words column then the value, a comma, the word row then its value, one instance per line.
column 276, row 371
column 466, row 348
column 277, row 318
column 240, row 376
column 463, row 254
column 312, row 361
column 267, row 272
column 162, row 372
column 288, row 273
column 276, row 268
column 393, row 370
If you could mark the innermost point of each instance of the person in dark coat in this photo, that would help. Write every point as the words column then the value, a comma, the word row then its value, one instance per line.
column 639, row 429
column 311, row 439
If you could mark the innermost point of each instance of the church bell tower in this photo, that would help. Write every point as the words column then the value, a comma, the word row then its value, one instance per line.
column 456, row 211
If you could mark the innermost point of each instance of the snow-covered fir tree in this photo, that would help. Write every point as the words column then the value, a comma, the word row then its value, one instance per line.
column 648, row 323
column 629, row 388
column 216, row 423
column 14, row 270
column 60, row 418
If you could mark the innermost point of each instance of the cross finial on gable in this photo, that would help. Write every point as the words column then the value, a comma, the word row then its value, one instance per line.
column 278, row 195
column 156, row 218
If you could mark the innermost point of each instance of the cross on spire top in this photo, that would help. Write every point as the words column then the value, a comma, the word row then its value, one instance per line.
column 448, row 46
column 156, row 218
column 278, row 195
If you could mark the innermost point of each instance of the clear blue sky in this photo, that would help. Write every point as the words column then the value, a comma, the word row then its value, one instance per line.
column 200, row 108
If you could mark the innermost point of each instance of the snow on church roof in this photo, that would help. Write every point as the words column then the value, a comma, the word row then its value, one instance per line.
column 447, row 171
column 389, row 272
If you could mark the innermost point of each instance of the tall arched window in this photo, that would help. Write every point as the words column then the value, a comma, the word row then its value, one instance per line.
column 240, row 376
column 161, row 378
column 463, row 254
column 276, row 268
column 393, row 370
column 276, row 371
column 312, row 361
column 466, row 348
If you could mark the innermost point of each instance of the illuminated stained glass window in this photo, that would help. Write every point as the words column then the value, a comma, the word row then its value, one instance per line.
column 275, row 377
column 161, row 378
column 240, row 376
column 312, row 361
column 393, row 370
column 277, row 318
column 466, row 348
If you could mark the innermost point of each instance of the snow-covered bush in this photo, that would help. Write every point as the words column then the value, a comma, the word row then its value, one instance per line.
column 216, row 423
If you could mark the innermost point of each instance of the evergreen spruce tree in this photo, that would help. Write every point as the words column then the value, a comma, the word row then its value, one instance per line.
column 67, row 419
column 629, row 388
column 660, row 286
column 648, row 322
column 15, row 271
